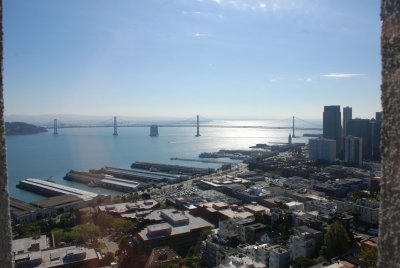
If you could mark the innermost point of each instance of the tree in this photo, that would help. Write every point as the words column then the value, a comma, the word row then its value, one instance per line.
column 89, row 231
column 67, row 220
column 336, row 240
column 123, row 244
column 358, row 194
column 370, row 256
column 260, row 217
column 194, row 251
column 123, row 225
column 109, row 257
column 117, row 199
column 27, row 229
column 302, row 262
column 71, row 236
column 104, row 220
column 146, row 196
column 83, row 216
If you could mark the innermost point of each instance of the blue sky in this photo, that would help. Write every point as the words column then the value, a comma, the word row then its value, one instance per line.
column 177, row 58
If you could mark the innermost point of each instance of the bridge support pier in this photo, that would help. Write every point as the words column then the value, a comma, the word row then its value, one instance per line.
column 154, row 131
column 115, row 126
column 55, row 129
column 198, row 127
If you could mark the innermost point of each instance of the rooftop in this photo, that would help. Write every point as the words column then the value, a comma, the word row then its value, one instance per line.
column 129, row 206
column 60, row 256
column 29, row 244
column 121, row 182
column 55, row 201
column 229, row 213
column 160, row 256
column 60, row 189
column 174, row 217
column 20, row 208
column 304, row 228
column 158, row 230
column 254, row 208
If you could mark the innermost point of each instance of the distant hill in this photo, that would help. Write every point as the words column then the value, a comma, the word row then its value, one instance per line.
column 21, row 128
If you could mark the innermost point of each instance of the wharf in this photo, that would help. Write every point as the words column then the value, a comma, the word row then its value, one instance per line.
column 191, row 171
column 49, row 189
column 105, row 181
column 201, row 160
column 141, row 175
column 83, row 177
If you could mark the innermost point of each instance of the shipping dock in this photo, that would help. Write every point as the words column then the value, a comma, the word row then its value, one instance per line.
column 47, row 188
column 201, row 160
column 174, row 169
column 104, row 181
column 145, row 176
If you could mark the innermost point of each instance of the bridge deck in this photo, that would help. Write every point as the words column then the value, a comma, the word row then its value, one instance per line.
column 190, row 125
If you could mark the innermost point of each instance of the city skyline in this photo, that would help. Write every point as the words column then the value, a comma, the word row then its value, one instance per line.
column 221, row 59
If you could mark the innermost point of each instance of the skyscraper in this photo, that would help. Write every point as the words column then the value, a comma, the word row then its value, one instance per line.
column 362, row 128
column 353, row 150
column 322, row 149
column 347, row 116
column 377, row 136
column 332, row 128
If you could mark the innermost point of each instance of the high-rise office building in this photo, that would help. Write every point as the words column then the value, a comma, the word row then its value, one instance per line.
column 322, row 149
column 362, row 128
column 347, row 116
column 378, row 116
column 377, row 137
column 332, row 128
column 353, row 150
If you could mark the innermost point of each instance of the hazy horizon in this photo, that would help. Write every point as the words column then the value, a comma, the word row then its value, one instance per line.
column 75, row 118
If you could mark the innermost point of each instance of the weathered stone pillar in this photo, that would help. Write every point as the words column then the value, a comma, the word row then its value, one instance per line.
column 389, row 235
column 5, row 228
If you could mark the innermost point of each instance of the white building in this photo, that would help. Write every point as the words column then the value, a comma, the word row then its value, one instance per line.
column 29, row 244
column 259, row 253
column 294, row 205
column 302, row 245
column 322, row 149
column 234, row 226
column 367, row 211
column 242, row 262
column 279, row 257
column 36, row 252
column 353, row 150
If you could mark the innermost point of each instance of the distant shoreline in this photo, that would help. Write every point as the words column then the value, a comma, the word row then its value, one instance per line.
column 21, row 128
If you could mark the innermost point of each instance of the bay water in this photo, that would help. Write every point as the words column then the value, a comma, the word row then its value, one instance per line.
column 51, row 156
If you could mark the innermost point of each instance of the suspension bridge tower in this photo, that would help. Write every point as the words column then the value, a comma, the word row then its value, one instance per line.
column 154, row 131
column 55, row 128
column 115, row 126
column 293, row 136
column 198, row 126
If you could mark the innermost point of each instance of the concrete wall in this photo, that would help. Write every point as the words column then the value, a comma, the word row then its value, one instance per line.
column 5, row 225
column 389, row 236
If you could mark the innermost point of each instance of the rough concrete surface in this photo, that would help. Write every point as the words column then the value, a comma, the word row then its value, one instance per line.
column 5, row 226
column 389, row 236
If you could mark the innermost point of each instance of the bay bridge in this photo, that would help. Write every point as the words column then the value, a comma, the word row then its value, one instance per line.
column 195, row 122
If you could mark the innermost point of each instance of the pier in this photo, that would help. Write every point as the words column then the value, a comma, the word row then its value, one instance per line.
column 47, row 188
column 200, row 160
column 104, row 181
column 142, row 175
column 191, row 171
column 154, row 131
